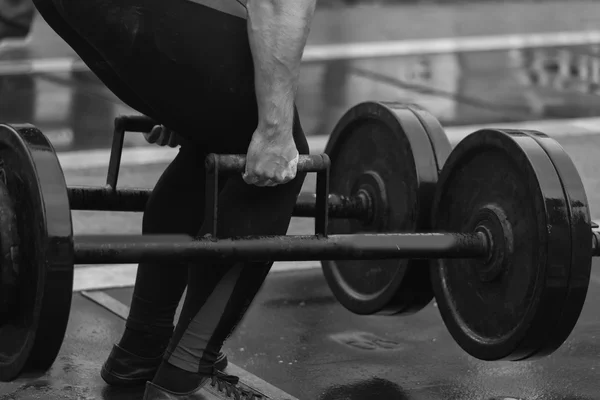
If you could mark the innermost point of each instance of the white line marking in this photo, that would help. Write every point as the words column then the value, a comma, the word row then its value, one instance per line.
column 102, row 277
column 42, row 66
column 396, row 48
column 75, row 160
column 15, row 43
column 350, row 51
column 110, row 303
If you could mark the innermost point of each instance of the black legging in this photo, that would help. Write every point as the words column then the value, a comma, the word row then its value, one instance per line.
column 189, row 67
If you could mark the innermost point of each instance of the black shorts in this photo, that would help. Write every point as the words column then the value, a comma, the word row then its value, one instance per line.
column 182, row 63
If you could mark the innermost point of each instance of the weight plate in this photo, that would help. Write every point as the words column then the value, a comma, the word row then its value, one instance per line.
column 581, row 240
column 437, row 136
column 508, row 314
column 383, row 147
column 9, row 249
column 31, row 335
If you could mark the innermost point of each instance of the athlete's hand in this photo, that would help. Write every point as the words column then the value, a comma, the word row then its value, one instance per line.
column 272, row 158
column 162, row 136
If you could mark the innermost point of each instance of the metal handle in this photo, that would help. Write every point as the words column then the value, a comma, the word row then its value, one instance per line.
column 232, row 163
column 236, row 163
column 136, row 123
column 124, row 123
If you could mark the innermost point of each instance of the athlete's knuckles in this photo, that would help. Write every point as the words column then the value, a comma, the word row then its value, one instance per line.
column 280, row 177
column 266, row 174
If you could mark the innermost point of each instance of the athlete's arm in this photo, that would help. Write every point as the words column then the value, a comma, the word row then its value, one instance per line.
column 277, row 30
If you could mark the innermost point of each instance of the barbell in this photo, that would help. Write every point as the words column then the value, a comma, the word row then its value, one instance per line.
column 386, row 159
column 502, row 236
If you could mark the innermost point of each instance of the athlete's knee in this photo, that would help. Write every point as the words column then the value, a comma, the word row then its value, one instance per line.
column 176, row 204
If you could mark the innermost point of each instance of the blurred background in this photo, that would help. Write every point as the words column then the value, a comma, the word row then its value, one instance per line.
column 467, row 62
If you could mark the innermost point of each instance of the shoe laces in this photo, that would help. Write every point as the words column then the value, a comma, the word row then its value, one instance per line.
column 228, row 384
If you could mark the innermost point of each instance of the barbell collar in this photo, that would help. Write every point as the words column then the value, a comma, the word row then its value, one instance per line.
column 340, row 206
column 111, row 249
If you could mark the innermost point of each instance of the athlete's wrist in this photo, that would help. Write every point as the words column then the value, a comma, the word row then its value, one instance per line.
column 276, row 115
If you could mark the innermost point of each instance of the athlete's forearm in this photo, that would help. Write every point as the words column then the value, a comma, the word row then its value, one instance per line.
column 277, row 31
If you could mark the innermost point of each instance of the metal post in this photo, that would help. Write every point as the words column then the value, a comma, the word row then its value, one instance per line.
column 130, row 123
column 322, row 199
column 116, row 150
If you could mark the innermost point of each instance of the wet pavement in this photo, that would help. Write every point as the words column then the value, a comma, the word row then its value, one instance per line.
column 314, row 348
column 319, row 350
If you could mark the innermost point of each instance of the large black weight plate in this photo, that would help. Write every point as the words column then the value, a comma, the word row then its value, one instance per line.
column 386, row 140
column 580, row 255
column 32, row 334
column 507, row 317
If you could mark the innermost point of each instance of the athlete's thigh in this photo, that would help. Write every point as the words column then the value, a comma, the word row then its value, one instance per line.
column 97, row 64
column 190, row 63
column 176, row 204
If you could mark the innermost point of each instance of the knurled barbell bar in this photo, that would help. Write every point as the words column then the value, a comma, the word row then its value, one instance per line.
column 513, row 250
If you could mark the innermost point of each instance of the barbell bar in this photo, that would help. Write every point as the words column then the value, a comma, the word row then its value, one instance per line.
column 109, row 249
column 509, row 264
column 133, row 249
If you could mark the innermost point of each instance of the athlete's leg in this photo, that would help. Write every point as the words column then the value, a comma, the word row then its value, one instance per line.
column 210, row 315
column 190, row 64
column 179, row 191
column 174, row 207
